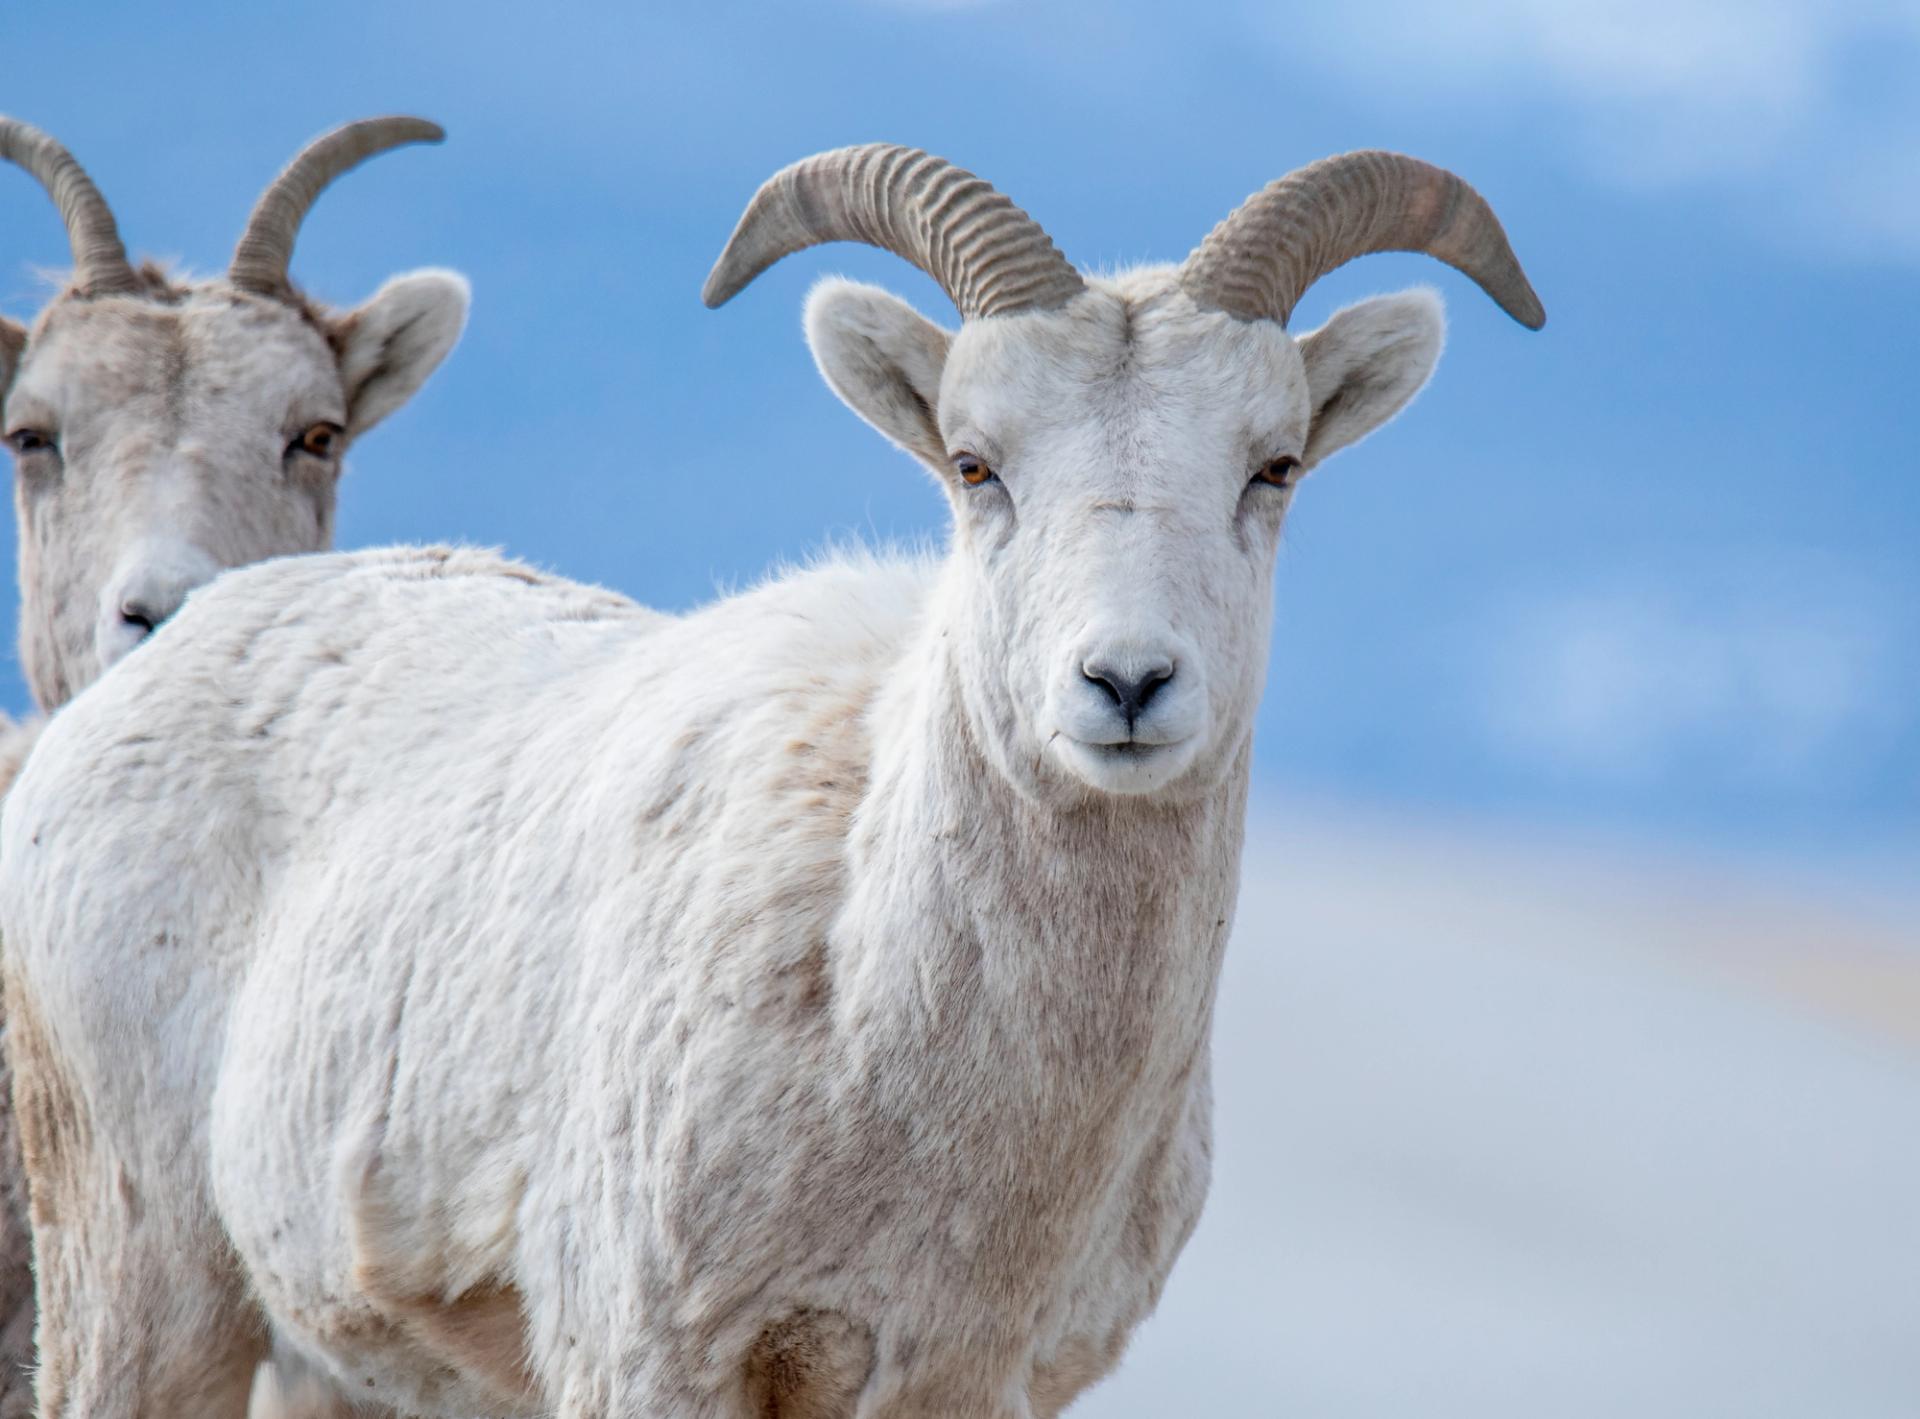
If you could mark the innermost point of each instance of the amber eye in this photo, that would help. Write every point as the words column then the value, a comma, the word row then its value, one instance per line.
column 1279, row 472
column 24, row 441
column 321, row 440
column 972, row 470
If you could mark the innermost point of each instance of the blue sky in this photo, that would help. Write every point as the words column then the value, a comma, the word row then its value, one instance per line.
column 1652, row 571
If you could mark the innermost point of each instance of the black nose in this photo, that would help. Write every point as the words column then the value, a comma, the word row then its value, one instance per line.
column 1131, row 693
column 141, row 614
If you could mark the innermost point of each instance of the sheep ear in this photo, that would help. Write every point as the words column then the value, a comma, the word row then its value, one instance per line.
column 13, row 339
column 1366, row 363
column 391, row 344
column 884, row 359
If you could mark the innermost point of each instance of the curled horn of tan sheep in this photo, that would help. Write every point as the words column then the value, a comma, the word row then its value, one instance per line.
column 100, row 265
column 261, row 259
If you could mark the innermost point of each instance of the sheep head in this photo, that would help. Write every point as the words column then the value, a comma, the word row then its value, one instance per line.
column 163, row 431
column 1119, row 453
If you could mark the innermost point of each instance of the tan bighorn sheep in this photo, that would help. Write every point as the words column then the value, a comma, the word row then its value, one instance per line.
column 522, row 1005
column 163, row 430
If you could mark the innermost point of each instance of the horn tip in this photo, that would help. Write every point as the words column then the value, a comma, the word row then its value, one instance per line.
column 722, row 286
column 1525, row 307
column 400, row 128
column 732, row 273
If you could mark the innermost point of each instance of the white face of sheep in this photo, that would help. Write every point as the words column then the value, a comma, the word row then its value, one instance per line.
column 1119, row 454
column 158, row 442
column 1119, row 470
column 163, row 432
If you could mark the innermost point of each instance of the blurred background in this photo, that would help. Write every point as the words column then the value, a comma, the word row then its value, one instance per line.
column 1569, row 1052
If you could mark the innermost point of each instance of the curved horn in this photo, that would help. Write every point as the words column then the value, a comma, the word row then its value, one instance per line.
column 990, row 257
column 1261, row 259
column 99, row 260
column 266, row 247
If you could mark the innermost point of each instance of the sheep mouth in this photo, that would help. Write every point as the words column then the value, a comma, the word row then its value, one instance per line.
column 1124, row 749
column 1126, row 766
column 1123, row 753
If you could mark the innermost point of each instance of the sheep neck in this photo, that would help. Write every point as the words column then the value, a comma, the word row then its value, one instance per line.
column 1049, row 969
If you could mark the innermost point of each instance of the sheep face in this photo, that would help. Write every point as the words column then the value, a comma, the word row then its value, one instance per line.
column 1119, row 470
column 161, row 438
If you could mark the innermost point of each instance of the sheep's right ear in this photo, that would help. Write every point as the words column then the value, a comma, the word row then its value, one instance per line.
column 884, row 359
column 391, row 344
column 13, row 339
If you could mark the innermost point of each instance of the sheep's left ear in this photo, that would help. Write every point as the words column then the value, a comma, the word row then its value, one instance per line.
column 13, row 339
column 1366, row 363
column 391, row 344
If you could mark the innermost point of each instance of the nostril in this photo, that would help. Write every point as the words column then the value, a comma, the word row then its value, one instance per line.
column 1131, row 694
column 139, row 615
column 1150, row 683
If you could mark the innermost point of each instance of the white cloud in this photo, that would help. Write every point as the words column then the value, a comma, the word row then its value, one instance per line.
column 1754, row 97
column 1782, row 682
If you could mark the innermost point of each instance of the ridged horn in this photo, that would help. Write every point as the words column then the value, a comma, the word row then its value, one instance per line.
column 100, row 264
column 990, row 257
column 1261, row 259
column 265, row 251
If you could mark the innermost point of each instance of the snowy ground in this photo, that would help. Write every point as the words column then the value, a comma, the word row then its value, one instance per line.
column 1509, row 1133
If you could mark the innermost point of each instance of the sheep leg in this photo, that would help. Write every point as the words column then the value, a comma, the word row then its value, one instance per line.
column 16, row 1246
column 16, row 1362
column 128, row 1331
column 895, row 1393
column 643, row 1390
column 286, row 1388
column 141, row 1313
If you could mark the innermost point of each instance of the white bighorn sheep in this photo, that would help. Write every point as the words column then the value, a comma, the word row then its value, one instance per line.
column 163, row 430
column 799, row 1007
